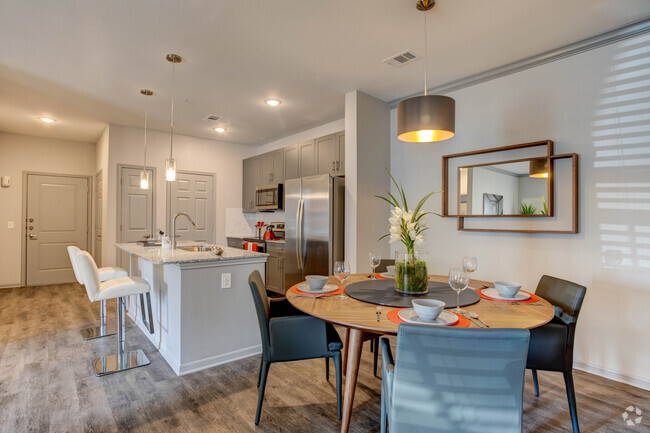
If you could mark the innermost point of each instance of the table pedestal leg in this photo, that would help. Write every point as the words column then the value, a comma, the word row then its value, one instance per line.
column 345, row 350
column 353, row 355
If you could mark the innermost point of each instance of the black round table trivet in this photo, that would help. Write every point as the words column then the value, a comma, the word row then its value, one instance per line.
column 382, row 292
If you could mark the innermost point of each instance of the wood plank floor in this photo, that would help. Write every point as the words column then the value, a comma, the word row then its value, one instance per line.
column 47, row 384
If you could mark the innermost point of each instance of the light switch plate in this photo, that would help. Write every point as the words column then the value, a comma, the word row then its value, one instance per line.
column 10, row 224
column 226, row 281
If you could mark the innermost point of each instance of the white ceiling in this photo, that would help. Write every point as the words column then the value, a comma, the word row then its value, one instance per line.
column 84, row 62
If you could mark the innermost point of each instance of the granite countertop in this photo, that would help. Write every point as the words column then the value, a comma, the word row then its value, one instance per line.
column 159, row 256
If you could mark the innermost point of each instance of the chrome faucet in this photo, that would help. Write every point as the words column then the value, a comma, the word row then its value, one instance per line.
column 174, row 227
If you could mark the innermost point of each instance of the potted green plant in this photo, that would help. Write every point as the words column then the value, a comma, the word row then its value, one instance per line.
column 407, row 226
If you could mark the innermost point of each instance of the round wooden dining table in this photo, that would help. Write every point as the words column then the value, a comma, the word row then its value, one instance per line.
column 363, row 323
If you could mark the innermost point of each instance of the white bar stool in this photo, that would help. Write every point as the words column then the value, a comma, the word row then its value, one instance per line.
column 105, row 274
column 111, row 289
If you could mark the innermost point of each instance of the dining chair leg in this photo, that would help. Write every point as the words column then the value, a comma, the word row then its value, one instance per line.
column 535, row 382
column 327, row 369
column 264, row 373
column 384, row 415
column 571, row 396
column 376, row 356
column 259, row 373
column 339, row 391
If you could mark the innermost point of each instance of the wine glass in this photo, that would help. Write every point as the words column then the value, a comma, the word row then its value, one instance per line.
column 458, row 280
column 470, row 264
column 342, row 273
column 374, row 260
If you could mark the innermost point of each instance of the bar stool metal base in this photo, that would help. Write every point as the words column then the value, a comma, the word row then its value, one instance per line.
column 96, row 332
column 116, row 363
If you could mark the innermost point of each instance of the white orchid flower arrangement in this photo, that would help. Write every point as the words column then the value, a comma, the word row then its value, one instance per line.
column 406, row 226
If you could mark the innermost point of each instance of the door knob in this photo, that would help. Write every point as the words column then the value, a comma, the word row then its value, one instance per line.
column 33, row 236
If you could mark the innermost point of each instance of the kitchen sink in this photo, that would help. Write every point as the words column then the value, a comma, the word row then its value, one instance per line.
column 196, row 248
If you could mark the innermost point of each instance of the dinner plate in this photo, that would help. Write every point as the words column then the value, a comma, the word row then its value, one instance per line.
column 446, row 318
column 327, row 288
column 494, row 294
column 387, row 275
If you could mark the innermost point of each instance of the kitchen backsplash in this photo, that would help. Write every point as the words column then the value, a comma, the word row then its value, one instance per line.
column 240, row 224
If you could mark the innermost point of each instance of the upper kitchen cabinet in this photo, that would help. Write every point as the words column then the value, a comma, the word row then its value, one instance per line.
column 272, row 165
column 307, row 158
column 330, row 154
column 252, row 174
column 291, row 162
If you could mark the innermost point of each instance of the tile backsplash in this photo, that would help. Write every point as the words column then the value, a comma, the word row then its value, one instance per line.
column 240, row 224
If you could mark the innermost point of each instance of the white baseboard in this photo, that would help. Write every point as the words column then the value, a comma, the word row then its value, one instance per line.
column 613, row 375
column 202, row 364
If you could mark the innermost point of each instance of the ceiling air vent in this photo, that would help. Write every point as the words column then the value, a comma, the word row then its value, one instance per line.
column 213, row 117
column 401, row 59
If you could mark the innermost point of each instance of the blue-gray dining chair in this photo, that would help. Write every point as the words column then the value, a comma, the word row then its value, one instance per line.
column 453, row 380
column 289, row 335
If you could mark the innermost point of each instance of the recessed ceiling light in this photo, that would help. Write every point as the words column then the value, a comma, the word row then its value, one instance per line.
column 272, row 102
column 220, row 129
column 47, row 119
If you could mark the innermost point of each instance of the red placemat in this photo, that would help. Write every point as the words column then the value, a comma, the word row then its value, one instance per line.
column 393, row 316
column 297, row 291
column 533, row 298
column 379, row 277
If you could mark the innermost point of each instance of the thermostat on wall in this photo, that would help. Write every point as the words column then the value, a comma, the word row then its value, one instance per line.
column 6, row 181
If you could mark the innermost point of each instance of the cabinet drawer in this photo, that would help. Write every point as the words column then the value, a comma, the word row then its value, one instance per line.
column 275, row 248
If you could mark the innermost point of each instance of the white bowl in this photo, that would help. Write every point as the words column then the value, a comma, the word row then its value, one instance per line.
column 428, row 309
column 507, row 289
column 316, row 282
column 390, row 270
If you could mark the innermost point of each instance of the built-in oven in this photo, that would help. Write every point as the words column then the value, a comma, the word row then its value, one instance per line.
column 269, row 198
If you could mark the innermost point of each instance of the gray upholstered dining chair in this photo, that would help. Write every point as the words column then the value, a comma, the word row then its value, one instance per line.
column 453, row 380
column 289, row 335
column 551, row 345
column 374, row 343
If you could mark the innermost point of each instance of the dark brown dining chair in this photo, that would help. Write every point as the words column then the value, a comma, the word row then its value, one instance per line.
column 551, row 345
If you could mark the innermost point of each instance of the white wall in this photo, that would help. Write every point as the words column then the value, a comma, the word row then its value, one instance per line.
column 597, row 105
column 224, row 159
column 20, row 153
column 101, row 164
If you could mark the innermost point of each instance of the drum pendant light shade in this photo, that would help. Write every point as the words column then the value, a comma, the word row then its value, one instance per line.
column 538, row 168
column 424, row 119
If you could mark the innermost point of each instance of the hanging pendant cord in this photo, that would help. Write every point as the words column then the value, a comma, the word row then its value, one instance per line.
column 146, row 110
column 425, row 53
column 171, row 122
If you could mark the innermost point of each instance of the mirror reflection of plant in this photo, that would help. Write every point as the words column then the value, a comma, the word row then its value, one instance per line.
column 528, row 209
column 544, row 211
column 406, row 225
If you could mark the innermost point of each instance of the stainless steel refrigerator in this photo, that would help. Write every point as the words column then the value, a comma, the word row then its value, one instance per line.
column 314, row 213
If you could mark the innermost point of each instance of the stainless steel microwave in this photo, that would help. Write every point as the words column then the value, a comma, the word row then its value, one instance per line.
column 269, row 198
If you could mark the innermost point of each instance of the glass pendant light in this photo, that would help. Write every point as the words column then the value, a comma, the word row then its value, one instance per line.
column 428, row 118
column 144, row 174
column 170, row 163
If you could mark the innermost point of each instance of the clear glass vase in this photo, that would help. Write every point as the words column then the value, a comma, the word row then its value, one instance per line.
column 411, row 276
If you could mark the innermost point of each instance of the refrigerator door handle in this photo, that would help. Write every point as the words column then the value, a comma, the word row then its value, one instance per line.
column 298, row 233
column 301, row 257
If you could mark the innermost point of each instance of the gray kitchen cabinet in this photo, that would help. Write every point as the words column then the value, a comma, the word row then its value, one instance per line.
column 252, row 177
column 272, row 164
column 291, row 162
column 330, row 154
column 307, row 158
column 275, row 267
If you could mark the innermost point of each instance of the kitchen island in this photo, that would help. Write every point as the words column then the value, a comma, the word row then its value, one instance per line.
column 198, row 322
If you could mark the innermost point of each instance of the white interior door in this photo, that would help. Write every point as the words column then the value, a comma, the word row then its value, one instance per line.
column 98, row 218
column 57, row 216
column 193, row 193
column 136, row 208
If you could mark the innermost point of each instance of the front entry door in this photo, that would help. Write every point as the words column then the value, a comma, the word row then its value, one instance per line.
column 193, row 193
column 57, row 216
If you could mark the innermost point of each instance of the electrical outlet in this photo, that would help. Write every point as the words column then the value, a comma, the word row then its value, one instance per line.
column 226, row 281
column 10, row 224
